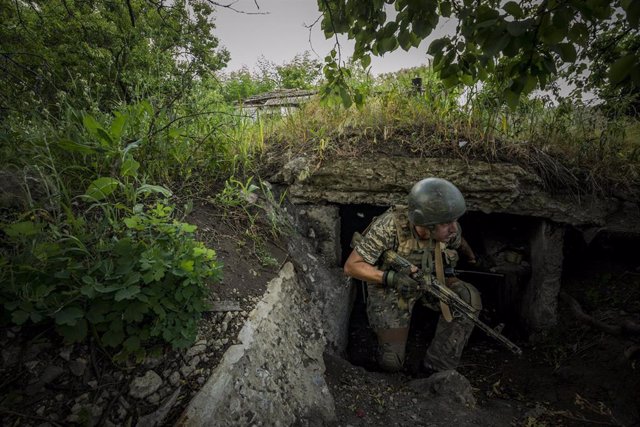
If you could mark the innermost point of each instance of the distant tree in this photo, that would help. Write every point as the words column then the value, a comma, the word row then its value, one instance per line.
column 531, row 39
column 241, row 84
column 103, row 50
column 302, row 72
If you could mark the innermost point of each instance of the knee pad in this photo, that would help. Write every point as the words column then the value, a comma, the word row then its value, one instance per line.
column 468, row 293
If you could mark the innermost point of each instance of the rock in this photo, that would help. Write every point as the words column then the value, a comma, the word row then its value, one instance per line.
column 146, row 385
column 154, row 399
column 78, row 366
column 448, row 384
column 174, row 379
column 65, row 353
column 190, row 368
column 152, row 362
column 157, row 418
column 10, row 355
column 49, row 375
column 196, row 350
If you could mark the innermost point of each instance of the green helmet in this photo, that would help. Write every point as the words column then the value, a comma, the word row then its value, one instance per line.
column 435, row 201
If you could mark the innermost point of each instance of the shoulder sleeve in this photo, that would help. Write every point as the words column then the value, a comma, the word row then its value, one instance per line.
column 380, row 237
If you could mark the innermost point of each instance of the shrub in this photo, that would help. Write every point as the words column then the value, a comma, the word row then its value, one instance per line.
column 132, row 284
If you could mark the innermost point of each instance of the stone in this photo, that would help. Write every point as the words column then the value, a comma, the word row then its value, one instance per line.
column 146, row 385
column 153, row 399
column 10, row 355
column 174, row 379
column 196, row 350
column 246, row 389
column 65, row 353
column 158, row 417
column 450, row 385
column 78, row 366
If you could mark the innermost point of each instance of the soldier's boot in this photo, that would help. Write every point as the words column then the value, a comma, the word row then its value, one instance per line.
column 450, row 338
column 391, row 348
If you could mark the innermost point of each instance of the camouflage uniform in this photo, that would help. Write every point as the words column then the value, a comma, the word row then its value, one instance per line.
column 390, row 315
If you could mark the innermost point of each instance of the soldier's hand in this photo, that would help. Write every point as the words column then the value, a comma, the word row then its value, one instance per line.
column 402, row 283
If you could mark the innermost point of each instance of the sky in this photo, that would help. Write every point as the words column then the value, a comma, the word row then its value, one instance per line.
column 277, row 31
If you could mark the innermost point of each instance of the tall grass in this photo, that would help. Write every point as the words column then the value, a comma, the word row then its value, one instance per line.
column 572, row 146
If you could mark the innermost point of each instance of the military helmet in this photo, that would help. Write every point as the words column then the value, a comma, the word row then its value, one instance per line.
column 435, row 201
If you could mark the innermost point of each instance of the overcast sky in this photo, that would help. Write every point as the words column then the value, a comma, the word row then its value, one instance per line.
column 279, row 34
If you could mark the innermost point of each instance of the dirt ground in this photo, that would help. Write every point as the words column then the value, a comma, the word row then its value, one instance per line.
column 575, row 375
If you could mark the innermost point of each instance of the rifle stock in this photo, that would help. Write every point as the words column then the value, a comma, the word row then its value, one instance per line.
column 447, row 296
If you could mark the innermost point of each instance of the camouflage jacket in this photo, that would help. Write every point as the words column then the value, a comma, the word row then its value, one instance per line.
column 392, row 230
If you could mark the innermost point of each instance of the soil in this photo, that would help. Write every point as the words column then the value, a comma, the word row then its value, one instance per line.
column 573, row 376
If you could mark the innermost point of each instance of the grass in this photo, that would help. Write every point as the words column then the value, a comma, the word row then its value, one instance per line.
column 573, row 148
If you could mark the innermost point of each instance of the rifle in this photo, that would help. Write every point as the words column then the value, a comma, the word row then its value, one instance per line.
column 445, row 295
column 452, row 272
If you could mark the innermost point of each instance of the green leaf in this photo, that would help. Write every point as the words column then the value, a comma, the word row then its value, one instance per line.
column 135, row 311
column 104, row 137
column 91, row 124
column 113, row 338
column 633, row 13
column 516, row 28
column 387, row 44
column 69, row 315
column 75, row 147
column 97, row 311
column 19, row 317
column 620, row 69
column 346, row 98
column 487, row 23
column 148, row 188
column 24, row 229
column 513, row 9
column 133, row 223
column 187, row 265
column 552, row 35
column 132, row 343
column 404, row 38
column 117, row 125
column 567, row 52
column 530, row 84
column 129, row 167
column 365, row 60
column 74, row 333
column 445, row 9
column 102, row 187
column 438, row 45
column 127, row 293
column 99, row 287
column 512, row 98
column 579, row 33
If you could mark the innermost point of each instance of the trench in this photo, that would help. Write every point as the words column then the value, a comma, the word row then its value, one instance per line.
column 506, row 244
column 501, row 294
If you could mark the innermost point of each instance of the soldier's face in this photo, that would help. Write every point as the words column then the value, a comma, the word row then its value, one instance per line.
column 444, row 232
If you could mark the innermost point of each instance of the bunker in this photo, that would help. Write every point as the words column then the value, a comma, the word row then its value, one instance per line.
column 514, row 223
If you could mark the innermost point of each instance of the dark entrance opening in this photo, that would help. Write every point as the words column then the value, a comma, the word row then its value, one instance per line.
column 501, row 241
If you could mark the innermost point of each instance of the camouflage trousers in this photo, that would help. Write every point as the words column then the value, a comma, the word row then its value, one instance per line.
column 390, row 317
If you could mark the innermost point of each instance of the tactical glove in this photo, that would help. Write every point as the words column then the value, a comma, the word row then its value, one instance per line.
column 406, row 287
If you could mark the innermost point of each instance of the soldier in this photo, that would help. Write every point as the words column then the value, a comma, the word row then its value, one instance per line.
column 421, row 232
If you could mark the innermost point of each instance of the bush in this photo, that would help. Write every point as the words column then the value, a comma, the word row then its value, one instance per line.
column 132, row 284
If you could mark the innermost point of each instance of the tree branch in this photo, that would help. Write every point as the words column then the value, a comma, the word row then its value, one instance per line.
column 131, row 14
